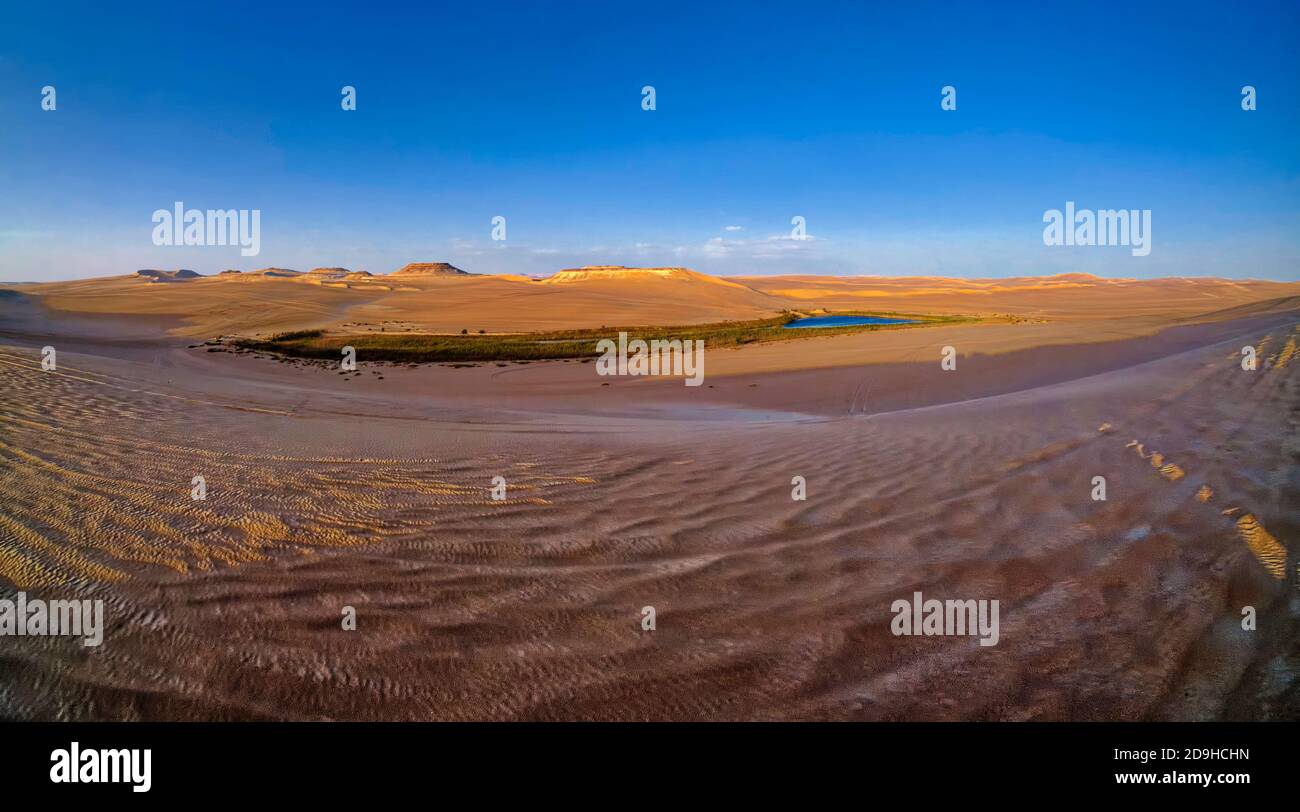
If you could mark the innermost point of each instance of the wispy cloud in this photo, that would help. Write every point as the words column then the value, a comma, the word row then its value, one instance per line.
column 774, row 246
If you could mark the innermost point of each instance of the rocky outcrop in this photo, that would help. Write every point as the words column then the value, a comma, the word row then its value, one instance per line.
column 155, row 275
column 430, row 269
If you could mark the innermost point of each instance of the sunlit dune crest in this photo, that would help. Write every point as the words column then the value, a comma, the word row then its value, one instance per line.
column 619, row 273
column 1266, row 548
column 1288, row 351
column 1171, row 472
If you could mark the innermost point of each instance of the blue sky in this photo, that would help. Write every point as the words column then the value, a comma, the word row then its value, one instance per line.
column 533, row 111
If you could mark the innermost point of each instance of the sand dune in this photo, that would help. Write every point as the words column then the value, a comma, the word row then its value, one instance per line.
column 1079, row 295
column 649, row 276
column 372, row 490
column 437, row 297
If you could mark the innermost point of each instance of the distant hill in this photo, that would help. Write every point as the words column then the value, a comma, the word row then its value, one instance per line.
column 155, row 275
column 430, row 269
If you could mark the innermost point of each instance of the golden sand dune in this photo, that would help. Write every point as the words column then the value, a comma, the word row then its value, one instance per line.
column 1080, row 295
column 204, row 307
column 437, row 297
column 514, row 304
column 619, row 273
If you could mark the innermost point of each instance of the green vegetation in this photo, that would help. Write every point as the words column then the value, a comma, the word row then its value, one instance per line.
column 297, row 335
column 556, row 344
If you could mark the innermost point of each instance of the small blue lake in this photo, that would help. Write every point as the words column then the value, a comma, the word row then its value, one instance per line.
column 843, row 321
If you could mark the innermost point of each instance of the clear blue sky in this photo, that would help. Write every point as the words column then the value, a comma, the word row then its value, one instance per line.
column 532, row 111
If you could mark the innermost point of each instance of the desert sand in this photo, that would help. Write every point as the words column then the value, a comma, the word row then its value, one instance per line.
column 373, row 490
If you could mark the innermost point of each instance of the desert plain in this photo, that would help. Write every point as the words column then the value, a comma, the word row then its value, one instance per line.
column 373, row 490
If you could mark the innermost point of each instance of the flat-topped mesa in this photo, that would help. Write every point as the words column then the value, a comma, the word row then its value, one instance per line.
column 277, row 272
column 430, row 269
column 331, row 273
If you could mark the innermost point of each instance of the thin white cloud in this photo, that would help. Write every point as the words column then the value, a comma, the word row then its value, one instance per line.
column 777, row 245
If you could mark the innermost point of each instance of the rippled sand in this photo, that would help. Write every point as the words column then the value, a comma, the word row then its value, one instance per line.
column 324, row 493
